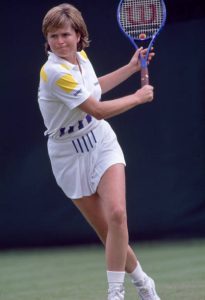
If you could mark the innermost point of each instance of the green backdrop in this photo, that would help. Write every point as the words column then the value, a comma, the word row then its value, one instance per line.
column 163, row 142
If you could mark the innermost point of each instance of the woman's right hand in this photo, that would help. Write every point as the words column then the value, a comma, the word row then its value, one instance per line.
column 145, row 94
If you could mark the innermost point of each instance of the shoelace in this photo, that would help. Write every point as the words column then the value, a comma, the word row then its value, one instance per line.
column 146, row 293
column 116, row 294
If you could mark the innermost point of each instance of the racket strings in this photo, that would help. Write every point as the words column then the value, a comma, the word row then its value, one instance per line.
column 141, row 17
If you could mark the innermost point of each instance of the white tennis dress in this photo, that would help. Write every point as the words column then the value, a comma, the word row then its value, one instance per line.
column 80, row 147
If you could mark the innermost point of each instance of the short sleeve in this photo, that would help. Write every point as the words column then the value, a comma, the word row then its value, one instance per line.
column 66, row 88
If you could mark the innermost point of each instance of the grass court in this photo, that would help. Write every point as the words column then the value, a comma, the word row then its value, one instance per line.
column 75, row 273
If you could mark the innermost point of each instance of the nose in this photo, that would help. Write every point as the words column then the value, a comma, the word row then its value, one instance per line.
column 60, row 40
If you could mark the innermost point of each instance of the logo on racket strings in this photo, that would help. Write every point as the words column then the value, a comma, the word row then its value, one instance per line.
column 141, row 14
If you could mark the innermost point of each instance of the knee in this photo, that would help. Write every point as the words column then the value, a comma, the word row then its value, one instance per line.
column 118, row 217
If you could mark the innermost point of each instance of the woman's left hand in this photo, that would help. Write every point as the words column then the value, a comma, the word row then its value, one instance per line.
column 135, row 61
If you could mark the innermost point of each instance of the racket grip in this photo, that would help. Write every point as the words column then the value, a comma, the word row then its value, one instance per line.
column 144, row 76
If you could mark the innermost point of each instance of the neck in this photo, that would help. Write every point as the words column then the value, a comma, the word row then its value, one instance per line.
column 72, row 58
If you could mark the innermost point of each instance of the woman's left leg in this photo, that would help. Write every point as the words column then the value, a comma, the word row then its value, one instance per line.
column 111, row 191
column 95, row 211
column 106, row 212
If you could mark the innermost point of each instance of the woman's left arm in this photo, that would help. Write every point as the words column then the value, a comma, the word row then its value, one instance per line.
column 113, row 79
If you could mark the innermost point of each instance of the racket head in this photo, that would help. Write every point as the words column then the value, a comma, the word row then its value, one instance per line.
column 141, row 20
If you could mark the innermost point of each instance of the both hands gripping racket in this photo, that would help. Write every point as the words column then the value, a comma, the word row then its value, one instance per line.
column 141, row 21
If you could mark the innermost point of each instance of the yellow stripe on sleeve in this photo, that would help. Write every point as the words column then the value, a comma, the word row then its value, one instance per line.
column 67, row 83
column 43, row 75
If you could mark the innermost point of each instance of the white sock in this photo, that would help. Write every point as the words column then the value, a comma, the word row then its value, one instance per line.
column 138, row 274
column 115, row 278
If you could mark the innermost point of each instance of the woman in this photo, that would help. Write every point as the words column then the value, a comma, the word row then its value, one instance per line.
column 86, row 159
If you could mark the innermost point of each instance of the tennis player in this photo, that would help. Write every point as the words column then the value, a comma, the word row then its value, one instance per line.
column 86, row 158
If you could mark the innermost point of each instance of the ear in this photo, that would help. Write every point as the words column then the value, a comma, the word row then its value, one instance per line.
column 78, row 37
column 47, row 46
column 47, row 42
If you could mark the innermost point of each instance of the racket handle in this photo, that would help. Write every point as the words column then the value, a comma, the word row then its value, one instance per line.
column 144, row 76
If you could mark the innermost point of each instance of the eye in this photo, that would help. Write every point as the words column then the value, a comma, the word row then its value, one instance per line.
column 53, row 36
column 66, row 34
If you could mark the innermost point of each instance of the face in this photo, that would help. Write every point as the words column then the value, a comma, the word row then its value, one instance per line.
column 63, row 42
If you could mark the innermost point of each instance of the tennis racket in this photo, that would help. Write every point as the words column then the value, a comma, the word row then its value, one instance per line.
column 141, row 21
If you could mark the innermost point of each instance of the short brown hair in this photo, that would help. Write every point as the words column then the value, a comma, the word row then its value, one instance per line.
column 59, row 15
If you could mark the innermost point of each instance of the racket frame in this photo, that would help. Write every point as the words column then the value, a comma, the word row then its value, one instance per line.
column 143, row 60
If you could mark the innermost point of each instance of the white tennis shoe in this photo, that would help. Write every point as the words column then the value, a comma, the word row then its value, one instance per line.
column 146, row 289
column 116, row 293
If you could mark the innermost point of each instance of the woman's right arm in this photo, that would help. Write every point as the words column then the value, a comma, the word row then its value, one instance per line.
column 106, row 109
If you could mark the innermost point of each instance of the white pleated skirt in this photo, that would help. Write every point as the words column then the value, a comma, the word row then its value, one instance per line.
column 78, row 163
